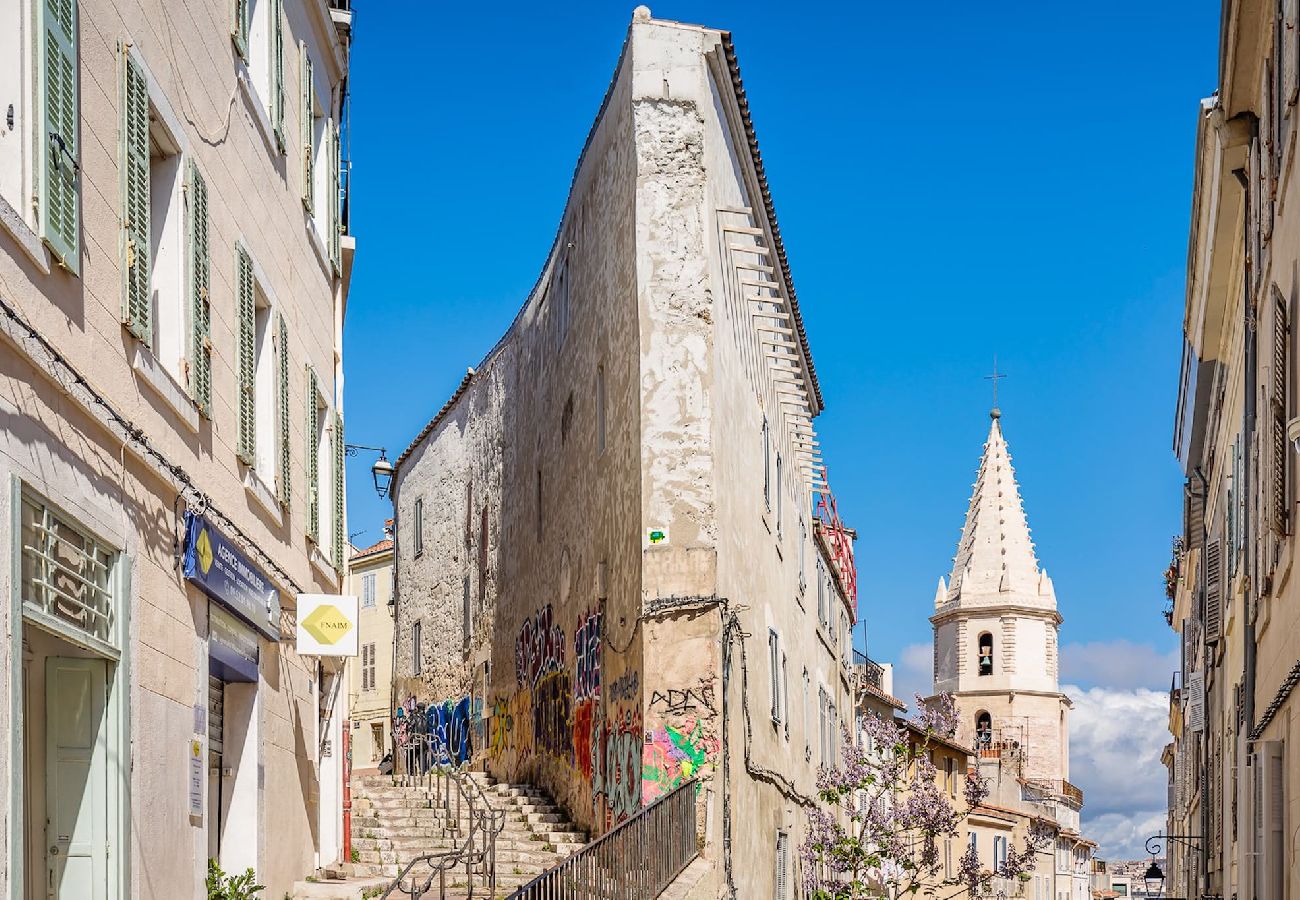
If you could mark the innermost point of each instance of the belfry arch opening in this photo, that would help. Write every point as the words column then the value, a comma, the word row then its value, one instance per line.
column 983, row 729
column 986, row 654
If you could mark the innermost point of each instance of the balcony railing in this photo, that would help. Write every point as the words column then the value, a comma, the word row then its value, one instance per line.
column 872, row 671
column 636, row 860
column 1057, row 789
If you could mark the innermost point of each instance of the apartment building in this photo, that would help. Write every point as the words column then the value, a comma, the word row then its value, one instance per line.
column 615, row 537
column 173, row 277
column 1233, row 761
column 370, row 674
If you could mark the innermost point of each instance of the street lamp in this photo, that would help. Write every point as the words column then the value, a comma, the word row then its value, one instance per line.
column 382, row 470
column 1154, row 878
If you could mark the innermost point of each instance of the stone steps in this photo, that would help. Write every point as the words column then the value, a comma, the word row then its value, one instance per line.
column 393, row 823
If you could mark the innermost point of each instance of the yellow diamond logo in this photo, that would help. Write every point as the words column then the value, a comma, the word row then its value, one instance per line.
column 327, row 624
column 203, row 548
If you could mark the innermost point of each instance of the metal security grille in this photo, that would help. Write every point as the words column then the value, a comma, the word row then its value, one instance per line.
column 216, row 716
column 66, row 574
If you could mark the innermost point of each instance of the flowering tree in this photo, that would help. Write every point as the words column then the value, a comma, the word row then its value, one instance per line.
column 884, row 813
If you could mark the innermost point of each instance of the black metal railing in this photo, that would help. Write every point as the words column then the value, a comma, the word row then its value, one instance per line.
column 872, row 672
column 636, row 860
column 465, row 805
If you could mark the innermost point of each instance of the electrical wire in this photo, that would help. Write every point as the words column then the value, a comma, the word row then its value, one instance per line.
column 129, row 433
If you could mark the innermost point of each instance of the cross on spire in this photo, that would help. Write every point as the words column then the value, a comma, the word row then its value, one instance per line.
column 995, row 377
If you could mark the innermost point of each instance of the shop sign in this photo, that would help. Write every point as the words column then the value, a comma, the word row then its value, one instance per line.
column 327, row 625
column 197, row 782
column 232, row 647
column 226, row 575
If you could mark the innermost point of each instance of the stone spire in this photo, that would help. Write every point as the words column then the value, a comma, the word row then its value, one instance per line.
column 995, row 559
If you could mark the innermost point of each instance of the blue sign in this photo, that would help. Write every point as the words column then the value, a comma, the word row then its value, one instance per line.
column 232, row 647
column 228, row 576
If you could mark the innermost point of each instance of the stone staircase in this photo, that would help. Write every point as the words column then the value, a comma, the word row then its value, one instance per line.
column 393, row 823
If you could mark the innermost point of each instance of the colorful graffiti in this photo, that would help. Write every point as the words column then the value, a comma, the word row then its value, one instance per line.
column 673, row 702
column 672, row 755
column 448, row 725
column 553, row 716
column 615, row 763
column 586, row 658
column 539, row 649
column 500, row 727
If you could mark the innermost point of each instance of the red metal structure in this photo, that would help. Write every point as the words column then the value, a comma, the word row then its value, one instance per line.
column 838, row 537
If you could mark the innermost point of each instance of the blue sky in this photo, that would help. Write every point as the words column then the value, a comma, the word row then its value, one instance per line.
column 953, row 180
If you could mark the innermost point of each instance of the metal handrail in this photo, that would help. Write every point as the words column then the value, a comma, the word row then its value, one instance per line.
column 635, row 860
column 485, row 822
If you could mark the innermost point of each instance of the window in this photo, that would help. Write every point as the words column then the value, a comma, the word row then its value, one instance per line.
column 823, row 712
column 417, row 649
column 999, row 852
column 807, row 718
column 774, row 669
column 600, row 409
column 971, row 840
column 782, row 890
column 558, row 294
column 259, row 36
column 767, row 466
column 846, row 645
column 950, row 775
column 986, row 654
column 983, row 729
column 260, row 428
column 466, row 613
column 821, row 591
column 324, row 439
column 368, row 667
column 39, row 129
column 66, row 579
column 780, row 494
column 803, row 551
column 785, row 697
column 417, row 527
column 368, row 591
column 155, row 307
column 319, row 135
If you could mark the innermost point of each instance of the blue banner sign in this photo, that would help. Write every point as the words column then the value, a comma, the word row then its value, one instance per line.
column 232, row 647
column 228, row 576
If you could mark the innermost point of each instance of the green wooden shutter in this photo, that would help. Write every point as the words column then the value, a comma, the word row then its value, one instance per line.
column 277, row 65
column 201, row 313
column 285, row 490
column 246, row 313
column 308, row 144
column 60, row 200
column 137, row 311
column 239, row 34
column 338, row 492
column 335, row 229
column 313, row 458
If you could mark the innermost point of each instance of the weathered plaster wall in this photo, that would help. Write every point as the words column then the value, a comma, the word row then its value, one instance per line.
column 557, row 625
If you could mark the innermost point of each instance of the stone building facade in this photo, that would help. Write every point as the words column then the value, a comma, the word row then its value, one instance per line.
column 173, row 275
column 607, row 535
column 1234, row 758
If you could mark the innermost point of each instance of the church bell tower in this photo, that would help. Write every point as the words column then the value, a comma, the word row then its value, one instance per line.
column 996, row 627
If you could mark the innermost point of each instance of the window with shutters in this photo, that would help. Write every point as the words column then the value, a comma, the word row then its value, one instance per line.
column 39, row 126
column 1279, row 403
column 368, row 666
column 807, row 717
column 159, row 235
column 780, row 492
column 774, row 674
column 324, row 462
column 368, row 591
column 767, row 465
column 261, row 381
column 803, row 554
column 782, row 891
column 319, row 193
column 265, row 60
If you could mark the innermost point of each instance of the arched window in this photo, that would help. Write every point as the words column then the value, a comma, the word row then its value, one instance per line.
column 983, row 729
column 986, row 654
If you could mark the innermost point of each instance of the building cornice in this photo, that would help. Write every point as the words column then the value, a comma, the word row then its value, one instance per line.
column 955, row 609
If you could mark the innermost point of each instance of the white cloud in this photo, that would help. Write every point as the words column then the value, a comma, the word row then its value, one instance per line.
column 1117, row 664
column 914, row 673
column 1116, row 737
